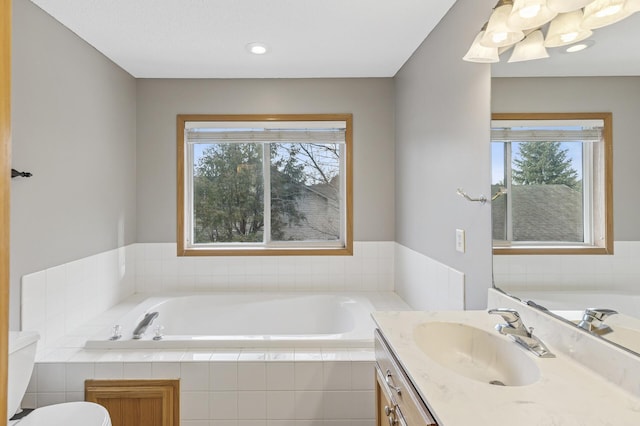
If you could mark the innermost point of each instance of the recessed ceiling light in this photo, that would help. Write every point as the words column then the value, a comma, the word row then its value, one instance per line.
column 257, row 48
column 579, row 47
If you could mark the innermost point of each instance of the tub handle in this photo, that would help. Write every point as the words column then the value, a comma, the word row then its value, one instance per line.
column 388, row 378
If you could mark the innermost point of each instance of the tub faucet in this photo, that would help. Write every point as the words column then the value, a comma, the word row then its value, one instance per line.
column 515, row 328
column 142, row 326
column 593, row 320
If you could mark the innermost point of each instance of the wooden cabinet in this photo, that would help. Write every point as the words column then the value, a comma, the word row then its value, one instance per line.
column 398, row 402
column 137, row 402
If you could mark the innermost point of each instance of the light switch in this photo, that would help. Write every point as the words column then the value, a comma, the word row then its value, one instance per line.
column 460, row 242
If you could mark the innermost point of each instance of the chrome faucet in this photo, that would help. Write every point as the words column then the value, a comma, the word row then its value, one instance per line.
column 593, row 320
column 515, row 328
column 144, row 323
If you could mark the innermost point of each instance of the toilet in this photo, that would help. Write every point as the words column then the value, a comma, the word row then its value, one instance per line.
column 22, row 354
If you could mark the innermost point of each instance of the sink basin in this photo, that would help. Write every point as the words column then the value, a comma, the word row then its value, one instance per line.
column 476, row 354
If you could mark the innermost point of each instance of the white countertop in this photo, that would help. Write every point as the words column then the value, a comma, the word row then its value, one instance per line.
column 567, row 393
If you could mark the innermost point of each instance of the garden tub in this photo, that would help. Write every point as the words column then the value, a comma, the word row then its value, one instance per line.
column 238, row 320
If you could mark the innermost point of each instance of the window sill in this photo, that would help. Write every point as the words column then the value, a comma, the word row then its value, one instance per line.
column 542, row 250
column 333, row 251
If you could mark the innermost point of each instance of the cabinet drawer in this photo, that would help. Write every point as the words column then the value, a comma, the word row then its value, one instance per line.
column 399, row 387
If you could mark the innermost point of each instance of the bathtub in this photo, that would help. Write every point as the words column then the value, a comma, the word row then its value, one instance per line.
column 238, row 320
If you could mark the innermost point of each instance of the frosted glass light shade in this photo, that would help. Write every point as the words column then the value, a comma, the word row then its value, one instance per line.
column 530, row 48
column 498, row 34
column 632, row 6
column 479, row 53
column 528, row 14
column 564, row 6
column 601, row 13
column 565, row 29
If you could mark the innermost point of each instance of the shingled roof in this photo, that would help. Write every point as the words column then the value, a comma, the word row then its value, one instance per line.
column 540, row 213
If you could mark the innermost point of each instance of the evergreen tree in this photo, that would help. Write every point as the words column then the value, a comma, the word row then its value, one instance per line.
column 543, row 163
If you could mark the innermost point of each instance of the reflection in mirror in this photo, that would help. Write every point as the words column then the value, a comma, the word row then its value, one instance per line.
column 570, row 283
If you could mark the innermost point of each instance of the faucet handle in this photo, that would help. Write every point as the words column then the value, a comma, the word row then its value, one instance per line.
column 511, row 316
column 599, row 314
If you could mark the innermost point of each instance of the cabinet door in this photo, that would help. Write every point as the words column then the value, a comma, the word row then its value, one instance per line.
column 387, row 413
column 137, row 402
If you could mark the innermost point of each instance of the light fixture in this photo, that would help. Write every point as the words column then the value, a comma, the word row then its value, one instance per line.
column 498, row 34
column 564, row 6
column 566, row 22
column 532, row 47
column 632, row 6
column 257, row 48
column 528, row 14
column 479, row 53
column 565, row 29
column 578, row 47
column 600, row 13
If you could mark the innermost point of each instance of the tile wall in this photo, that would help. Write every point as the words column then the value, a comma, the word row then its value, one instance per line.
column 426, row 284
column 231, row 388
column 618, row 272
column 369, row 269
column 58, row 300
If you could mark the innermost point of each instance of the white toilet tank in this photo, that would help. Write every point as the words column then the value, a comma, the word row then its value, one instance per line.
column 22, row 355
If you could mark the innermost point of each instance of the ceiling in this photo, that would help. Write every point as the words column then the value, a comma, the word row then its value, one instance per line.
column 306, row 38
column 208, row 38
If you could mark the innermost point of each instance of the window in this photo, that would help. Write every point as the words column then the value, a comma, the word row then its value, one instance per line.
column 552, row 183
column 264, row 184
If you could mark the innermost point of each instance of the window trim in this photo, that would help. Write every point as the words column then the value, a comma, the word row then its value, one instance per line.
column 284, row 250
column 605, row 245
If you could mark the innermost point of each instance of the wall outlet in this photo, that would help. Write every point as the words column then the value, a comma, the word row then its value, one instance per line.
column 460, row 241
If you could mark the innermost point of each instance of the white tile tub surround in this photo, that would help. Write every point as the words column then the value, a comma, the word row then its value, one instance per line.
column 618, row 272
column 371, row 268
column 610, row 362
column 426, row 284
column 268, row 387
column 58, row 300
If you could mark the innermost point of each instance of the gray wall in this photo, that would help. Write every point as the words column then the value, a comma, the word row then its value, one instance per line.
column 618, row 95
column 370, row 101
column 74, row 128
column 442, row 143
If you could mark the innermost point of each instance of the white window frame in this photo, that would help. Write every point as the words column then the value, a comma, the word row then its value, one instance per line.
column 186, row 247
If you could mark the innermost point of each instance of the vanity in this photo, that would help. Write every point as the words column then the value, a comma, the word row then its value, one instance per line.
column 455, row 369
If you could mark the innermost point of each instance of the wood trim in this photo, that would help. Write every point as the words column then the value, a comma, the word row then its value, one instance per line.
column 168, row 390
column 180, row 195
column 5, row 195
column 606, row 247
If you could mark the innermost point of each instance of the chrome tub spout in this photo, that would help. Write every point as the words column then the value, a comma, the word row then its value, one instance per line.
column 144, row 324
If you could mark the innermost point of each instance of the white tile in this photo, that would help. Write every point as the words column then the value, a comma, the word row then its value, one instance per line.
column 280, row 376
column 338, row 405
column 252, row 404
column 308, row 375
column 337, row 375
column 281, row 405
column 223, row 423
column 55, row 292
column 51, row 378
column 29, row 400
column 309, row 405
column 194, row 376
column 74, row 396
column 252, row 423
column 184, row 422
column 362, row 404
column 76, row 374
column 252, row 376
column 109, row 370
column 136, row 370
column 50, row 398
column 166, row 370
column 362, row 375
column 223, row 405
column 194, row 405
column 224, row 376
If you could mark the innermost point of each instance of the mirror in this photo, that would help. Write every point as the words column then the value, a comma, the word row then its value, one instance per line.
column 567, row 284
